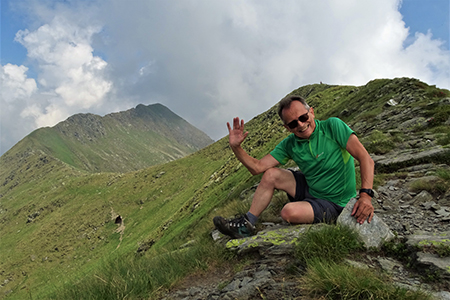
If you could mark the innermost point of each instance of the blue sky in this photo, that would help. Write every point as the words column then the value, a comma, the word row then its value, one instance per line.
column 208, row 61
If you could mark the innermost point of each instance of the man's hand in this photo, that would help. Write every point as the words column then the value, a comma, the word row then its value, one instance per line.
column 237, row 134
column 363, row 209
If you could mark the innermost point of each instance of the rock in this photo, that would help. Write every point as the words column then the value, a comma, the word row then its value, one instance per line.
column 275, row 235
column 435, row 263
column 413, row 123
column 442, row 295
column 422, row 238
column 389, row 264
column 442, row 212
column 406, row 158
column 422, row 197
column 428, row 205
column 426, row 241
column 373, row 234
column 391, row 102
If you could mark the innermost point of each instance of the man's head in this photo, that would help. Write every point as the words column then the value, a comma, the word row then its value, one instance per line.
column 297, row 116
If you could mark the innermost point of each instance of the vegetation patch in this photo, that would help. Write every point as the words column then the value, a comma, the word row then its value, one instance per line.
column 378, row 142
column 329, row 242
column 336, row 281
column 326, row 276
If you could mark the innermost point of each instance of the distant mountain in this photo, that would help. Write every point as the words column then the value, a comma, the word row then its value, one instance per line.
column 119, row 142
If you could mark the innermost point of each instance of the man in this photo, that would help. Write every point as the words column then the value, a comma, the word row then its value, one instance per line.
column 324, row 152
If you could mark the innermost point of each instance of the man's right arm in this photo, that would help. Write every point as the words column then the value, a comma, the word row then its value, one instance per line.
column 255, row 166
column 236, row 137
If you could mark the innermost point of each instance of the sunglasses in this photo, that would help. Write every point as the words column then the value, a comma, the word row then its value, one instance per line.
column 302, row 118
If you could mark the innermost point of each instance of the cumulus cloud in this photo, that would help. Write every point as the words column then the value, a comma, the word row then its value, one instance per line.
column 67, row 65
column 17, row 91
column 209, row 61
column 70, row 78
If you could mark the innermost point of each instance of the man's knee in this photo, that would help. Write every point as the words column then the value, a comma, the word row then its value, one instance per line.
column 298, row 213
column 271, row 175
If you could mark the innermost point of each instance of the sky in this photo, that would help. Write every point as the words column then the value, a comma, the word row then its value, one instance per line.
column 207, row 61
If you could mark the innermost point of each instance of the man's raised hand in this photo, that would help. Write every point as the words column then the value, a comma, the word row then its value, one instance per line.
column 237, row 134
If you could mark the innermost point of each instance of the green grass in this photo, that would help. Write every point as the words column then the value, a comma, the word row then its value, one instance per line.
column 136, row 277
column 439, row 186
column 329, row 242
column 322, row 252
column 336, row 281
column 378, row 142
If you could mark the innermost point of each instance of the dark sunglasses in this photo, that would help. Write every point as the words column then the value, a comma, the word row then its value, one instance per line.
column 302, row 118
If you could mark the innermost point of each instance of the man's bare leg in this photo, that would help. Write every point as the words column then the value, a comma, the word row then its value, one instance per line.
column 280, row 179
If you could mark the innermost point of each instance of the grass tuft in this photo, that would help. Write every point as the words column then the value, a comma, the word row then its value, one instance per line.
column 138, row 277
column 337, row 281
column 329, row 242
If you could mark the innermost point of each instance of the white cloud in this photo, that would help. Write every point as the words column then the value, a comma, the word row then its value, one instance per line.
column 66, row 61
column 209, row 61
column 16, row 93
column 15, row 84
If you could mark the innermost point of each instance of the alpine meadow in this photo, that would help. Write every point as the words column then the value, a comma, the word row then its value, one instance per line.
column 105, row 208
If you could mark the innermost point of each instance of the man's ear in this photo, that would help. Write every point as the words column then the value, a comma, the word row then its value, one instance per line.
column 311, row 110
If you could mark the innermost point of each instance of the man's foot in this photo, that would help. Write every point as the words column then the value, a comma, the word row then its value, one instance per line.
column 236, row 228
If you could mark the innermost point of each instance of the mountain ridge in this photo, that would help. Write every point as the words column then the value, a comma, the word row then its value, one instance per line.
column 118, row 142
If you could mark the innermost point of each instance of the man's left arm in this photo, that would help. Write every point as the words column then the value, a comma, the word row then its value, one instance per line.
column 363, row 208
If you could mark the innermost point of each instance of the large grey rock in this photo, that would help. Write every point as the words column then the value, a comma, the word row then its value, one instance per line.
column 373, row 234
column 410, row 156
column 283, row 237
column 422, row 238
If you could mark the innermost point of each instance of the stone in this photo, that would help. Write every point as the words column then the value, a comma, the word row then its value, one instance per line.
column 422, row 197
column 276, row 235
column 389, row 264
column 422, row 238
column 428, row 205
column 442, row 295
column 391, row 102
column 433, row 261
column 410, row 157
column 373, row 234
column 442, row 212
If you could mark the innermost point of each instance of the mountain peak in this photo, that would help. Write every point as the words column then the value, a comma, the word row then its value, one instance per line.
column 119, row 142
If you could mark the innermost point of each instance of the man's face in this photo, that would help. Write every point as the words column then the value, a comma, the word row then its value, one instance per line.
column 303, row 130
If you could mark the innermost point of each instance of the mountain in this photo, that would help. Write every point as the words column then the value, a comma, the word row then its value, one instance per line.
column 119, row 142
column 64, row 228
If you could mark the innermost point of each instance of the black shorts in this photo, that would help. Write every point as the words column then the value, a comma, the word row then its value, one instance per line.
column 324, row 210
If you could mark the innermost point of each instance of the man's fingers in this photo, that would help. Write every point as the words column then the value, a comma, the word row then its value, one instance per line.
column 364, row 215
column 370, row 218
column 355, row 209
column 236, row 123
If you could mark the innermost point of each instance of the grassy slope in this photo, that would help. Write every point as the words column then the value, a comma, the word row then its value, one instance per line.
column 119, row 142
column 74, row 233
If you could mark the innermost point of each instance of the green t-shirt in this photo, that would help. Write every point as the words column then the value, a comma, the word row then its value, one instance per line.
column 328, row 167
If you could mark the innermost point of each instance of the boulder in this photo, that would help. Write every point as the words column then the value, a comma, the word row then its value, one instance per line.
column 280, row 236
column 373, row 234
